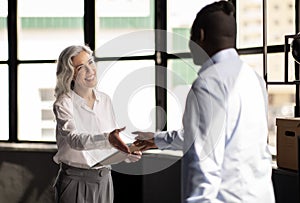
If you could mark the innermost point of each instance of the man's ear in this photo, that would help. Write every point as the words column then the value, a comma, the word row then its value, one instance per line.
column 202, row 35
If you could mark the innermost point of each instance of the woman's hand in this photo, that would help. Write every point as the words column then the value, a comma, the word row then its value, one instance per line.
column 116, row 141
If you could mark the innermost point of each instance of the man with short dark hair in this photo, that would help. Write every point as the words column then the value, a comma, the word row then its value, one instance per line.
column 226, row 157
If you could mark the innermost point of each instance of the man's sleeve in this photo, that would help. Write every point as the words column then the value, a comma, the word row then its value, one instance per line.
column 169, row 139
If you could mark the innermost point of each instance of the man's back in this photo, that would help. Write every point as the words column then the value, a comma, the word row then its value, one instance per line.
column 229, row 160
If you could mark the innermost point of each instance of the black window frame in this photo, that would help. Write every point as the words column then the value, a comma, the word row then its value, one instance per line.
column 161, row 58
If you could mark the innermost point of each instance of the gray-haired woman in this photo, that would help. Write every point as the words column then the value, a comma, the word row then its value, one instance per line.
column 86, row 131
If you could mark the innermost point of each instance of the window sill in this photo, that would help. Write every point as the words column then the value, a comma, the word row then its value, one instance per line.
column 28, row 147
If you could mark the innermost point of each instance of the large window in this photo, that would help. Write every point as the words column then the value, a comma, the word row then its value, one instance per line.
column 113, row 29
column 154, row 68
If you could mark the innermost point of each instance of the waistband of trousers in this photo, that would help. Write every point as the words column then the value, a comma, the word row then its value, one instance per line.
column 82, row 173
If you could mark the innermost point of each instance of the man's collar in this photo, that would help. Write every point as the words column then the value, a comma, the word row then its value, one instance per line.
column 219, row 57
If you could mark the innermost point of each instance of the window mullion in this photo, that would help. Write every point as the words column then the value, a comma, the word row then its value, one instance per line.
column 161, row 64
column 12, row 20
column 89, row 23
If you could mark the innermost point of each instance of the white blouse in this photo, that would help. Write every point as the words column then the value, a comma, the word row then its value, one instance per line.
column 82, row 132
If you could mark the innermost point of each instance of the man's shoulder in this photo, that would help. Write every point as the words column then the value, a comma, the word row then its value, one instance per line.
column 209, row 76
column 220, row 74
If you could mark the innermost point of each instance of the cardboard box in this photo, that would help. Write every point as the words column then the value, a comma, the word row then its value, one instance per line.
column 288, row 131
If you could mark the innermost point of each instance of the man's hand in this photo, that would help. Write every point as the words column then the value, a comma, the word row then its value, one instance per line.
column 144, row 140
column 115, row 140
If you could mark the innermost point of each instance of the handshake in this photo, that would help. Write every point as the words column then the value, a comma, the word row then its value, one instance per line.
column 144, row 141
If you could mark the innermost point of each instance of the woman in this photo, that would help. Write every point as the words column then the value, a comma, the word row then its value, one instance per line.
column 86, row 131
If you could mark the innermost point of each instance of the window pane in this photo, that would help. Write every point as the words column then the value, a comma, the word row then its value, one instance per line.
column 250, row 22
column 48, row 27
column 3, row 30
column 276, row 67
column 249, row 17
column 36, row 84
column 181, row 73
column 280, row 20
column 119, row 17
column 4, row 102
column 281, row 104
column 131, row 86
column 131, row 44
column 180, row 18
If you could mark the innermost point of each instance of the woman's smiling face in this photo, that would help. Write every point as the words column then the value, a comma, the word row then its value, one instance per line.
column 84, row 70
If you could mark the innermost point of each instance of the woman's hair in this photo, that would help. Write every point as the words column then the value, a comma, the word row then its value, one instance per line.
column 65, row 69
